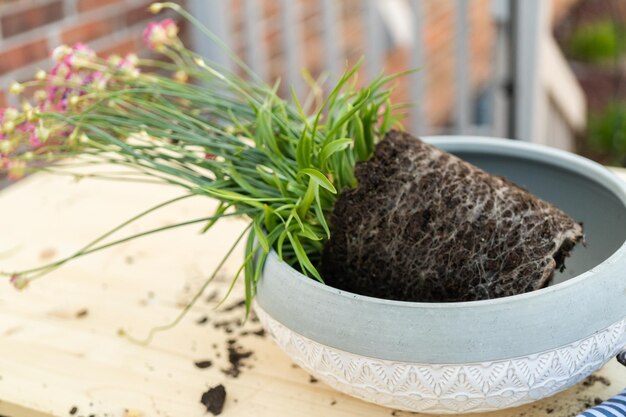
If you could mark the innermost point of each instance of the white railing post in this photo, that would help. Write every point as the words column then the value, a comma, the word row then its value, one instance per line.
column 215, row 15
column 333, row 41
column 501, row 60
column 290, row 15
column 417, row 80
column 374, row 55
column 254, row 35
column 531, row 23
column 462, row 67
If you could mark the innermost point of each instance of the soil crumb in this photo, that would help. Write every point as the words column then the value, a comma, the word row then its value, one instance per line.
column 593, row 379
column 214, row 399
column 260, row 332
column 312, row 379
column 227, row 325
column 82, row 313
column 73, row 410
column 203, row 364
column 235, row 306
column 236, row 358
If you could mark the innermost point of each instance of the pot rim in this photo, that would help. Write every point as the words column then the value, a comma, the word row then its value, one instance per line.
column 506, row 147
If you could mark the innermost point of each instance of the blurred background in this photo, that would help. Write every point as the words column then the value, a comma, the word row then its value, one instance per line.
column 546, row 71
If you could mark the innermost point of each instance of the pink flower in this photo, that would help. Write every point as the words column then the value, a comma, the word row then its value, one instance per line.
column 25, row 127
column 34, row 140
column 69, row 74
column 79, row 54
column 160, row 34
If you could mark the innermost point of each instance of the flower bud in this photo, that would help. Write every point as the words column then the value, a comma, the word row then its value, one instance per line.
column 40, row 75
column 42, row 132
column 114, row 60
column 132, row 58
column 181, row 76
column 8, row 126
column 156, row 7
column 19, row 281
column 10, row 114
column 61, row 52
column 6, row 147
column 16, row 88
column 41, row 95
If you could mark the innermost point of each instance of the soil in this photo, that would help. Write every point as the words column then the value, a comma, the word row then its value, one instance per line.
column 214, row 399
column 424, row 225
column 235, row 305
column 82, row 313
column 592, row 379
column 260, row 332
column 236, row 358
column 203, row 364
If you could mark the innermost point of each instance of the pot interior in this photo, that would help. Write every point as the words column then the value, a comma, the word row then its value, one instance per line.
column 589, row 201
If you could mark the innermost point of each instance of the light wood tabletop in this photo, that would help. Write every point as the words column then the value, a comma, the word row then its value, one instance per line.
column 60, row 351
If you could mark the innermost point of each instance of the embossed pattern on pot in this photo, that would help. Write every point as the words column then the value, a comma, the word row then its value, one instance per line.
column 450, row 389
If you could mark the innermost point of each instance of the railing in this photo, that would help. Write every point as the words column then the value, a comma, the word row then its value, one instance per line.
column 512, row 90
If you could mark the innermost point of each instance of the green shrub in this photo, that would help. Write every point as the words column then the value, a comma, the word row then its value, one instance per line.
column 607, row 131
column 596, row 42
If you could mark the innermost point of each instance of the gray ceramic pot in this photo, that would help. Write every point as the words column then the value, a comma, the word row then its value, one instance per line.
column 481, row 355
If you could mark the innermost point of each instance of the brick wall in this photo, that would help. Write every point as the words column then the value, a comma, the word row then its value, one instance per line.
column 31, row 29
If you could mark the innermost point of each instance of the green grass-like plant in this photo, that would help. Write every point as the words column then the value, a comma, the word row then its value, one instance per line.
column 186, row 122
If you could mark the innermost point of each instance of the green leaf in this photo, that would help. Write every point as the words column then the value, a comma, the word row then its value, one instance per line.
column 332, row 148
column 303, row 150
column 249, row 271
column 303, row 258
column 319, row 213
column 348, row 115
column 264, row 132
column 218, row 212
column 280, row 243
column 387, row 118
column 319, row 178
column 258, row 231
column 368, row 129
column 307, row 232
column 359, row 138
column 269, row 220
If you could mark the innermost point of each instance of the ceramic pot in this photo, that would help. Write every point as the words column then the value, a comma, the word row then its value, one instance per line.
column 471, row 356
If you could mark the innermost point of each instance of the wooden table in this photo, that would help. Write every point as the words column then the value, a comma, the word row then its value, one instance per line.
column 59, row 345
